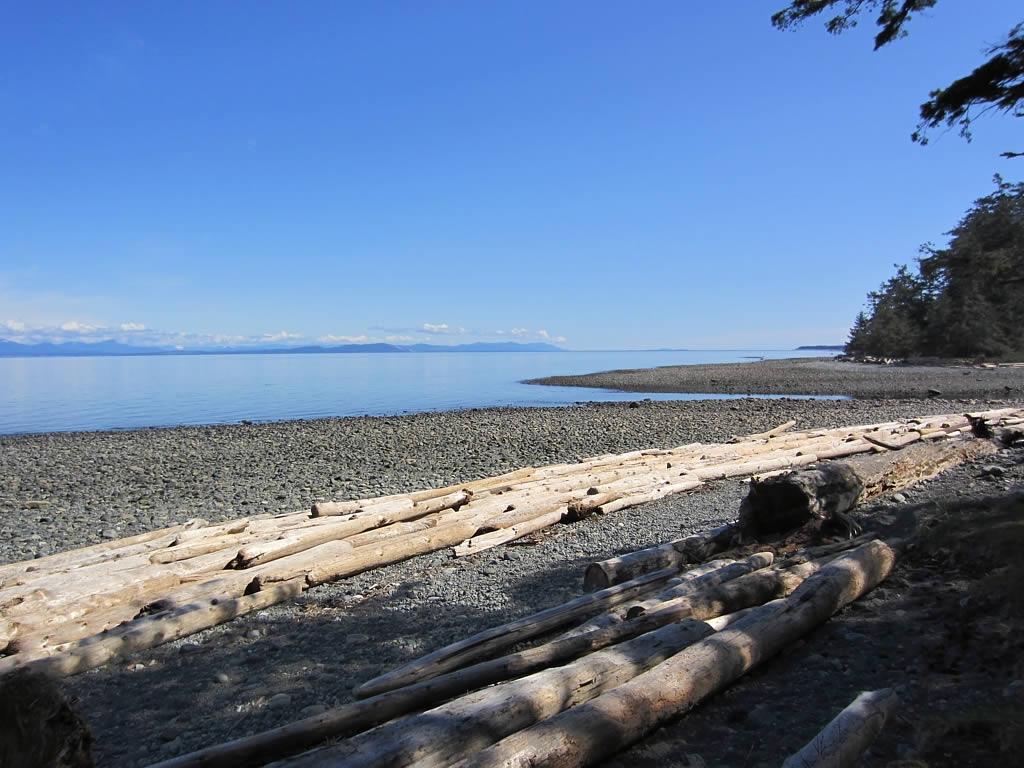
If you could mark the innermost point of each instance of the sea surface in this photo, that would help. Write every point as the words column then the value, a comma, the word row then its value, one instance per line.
column 56, row 394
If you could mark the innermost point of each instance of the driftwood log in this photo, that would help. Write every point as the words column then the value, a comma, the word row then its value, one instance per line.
column 449, row 732
column 596, row 729
column 785, row 501
column 841, row 743
column 87, row 606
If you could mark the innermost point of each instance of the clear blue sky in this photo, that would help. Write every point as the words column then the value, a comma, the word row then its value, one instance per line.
column 614, row 175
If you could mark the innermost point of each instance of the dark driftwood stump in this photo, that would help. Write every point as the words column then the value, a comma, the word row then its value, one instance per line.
column 38, row 727
column 782, row 503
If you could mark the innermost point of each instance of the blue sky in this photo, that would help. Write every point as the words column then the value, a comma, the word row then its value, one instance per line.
column 605, row 174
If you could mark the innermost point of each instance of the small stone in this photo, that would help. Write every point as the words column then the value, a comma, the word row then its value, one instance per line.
column 759, row 717
column 279, row 701
column 899, row 498
column 254, row 634
column 36, row 504
column 222, row 677
column 932, row 392
column 313, row 710
column 188, row 648
column 993, row 470
column 173, row 746
column 109, row 533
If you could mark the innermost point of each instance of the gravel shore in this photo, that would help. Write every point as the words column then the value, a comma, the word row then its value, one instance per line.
column 70, row 489
column 808, row 376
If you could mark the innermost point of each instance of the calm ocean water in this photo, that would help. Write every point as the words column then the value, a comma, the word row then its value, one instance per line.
column 89, row 393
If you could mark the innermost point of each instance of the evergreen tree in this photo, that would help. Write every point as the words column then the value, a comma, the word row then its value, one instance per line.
column 967, row 299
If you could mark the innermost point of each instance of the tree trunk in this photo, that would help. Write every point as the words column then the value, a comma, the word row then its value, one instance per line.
column 789, row 501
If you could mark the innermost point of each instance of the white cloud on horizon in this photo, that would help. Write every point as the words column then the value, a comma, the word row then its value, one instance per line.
column 281, row 336
column 442, row 329
column 333, row 339
column 73, row 326
column 139, row 334
column 525, row 334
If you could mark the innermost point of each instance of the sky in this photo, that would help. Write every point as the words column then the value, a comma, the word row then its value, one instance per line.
column 599, row 175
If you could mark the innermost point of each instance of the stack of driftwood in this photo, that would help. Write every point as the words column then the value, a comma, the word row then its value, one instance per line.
column 79, row 609
column 572, row 684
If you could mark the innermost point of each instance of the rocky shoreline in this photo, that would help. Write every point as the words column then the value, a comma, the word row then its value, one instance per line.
column 64, row 490
column 70, row 489
column 808, row 376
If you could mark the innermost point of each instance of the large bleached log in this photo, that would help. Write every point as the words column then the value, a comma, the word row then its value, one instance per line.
column 64, row 598
column 452, row 731
column 695, row 579
column 485, row 644
column 707, row 602
column 721, row 575
column 153, row 630
column 671, row 554
column 841, row 743
column 887, row 472
column 446, row 733
column 359, row 716
column 594, row 730
column 492, row 539
column 785, row 501
column 784, row 427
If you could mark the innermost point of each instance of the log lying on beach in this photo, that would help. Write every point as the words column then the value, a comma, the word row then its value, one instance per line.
column 708, row 601
column 472, row 722
column 152, row 630
column 672, row 554
column 438, row 736
column 490, row 641
column 594, row 730
column 55, row 602
column 841, row 743
column 701, row 577
column 786, row 501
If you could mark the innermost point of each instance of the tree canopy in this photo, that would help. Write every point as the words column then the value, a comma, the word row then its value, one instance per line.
column 964, row 300
column 995, row 85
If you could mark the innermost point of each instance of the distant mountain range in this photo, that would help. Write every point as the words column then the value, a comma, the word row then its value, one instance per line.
column 823, row 346
column 111, row 348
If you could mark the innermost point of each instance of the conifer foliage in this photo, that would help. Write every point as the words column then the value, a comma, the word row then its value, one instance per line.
column 965, row 300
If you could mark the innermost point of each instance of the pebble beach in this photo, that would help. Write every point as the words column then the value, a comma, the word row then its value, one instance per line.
column 64, row 490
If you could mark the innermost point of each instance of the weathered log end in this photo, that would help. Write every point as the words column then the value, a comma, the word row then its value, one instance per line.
column 844, row 739
column 595, row 578
column 784, row 502
column 38, row 727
